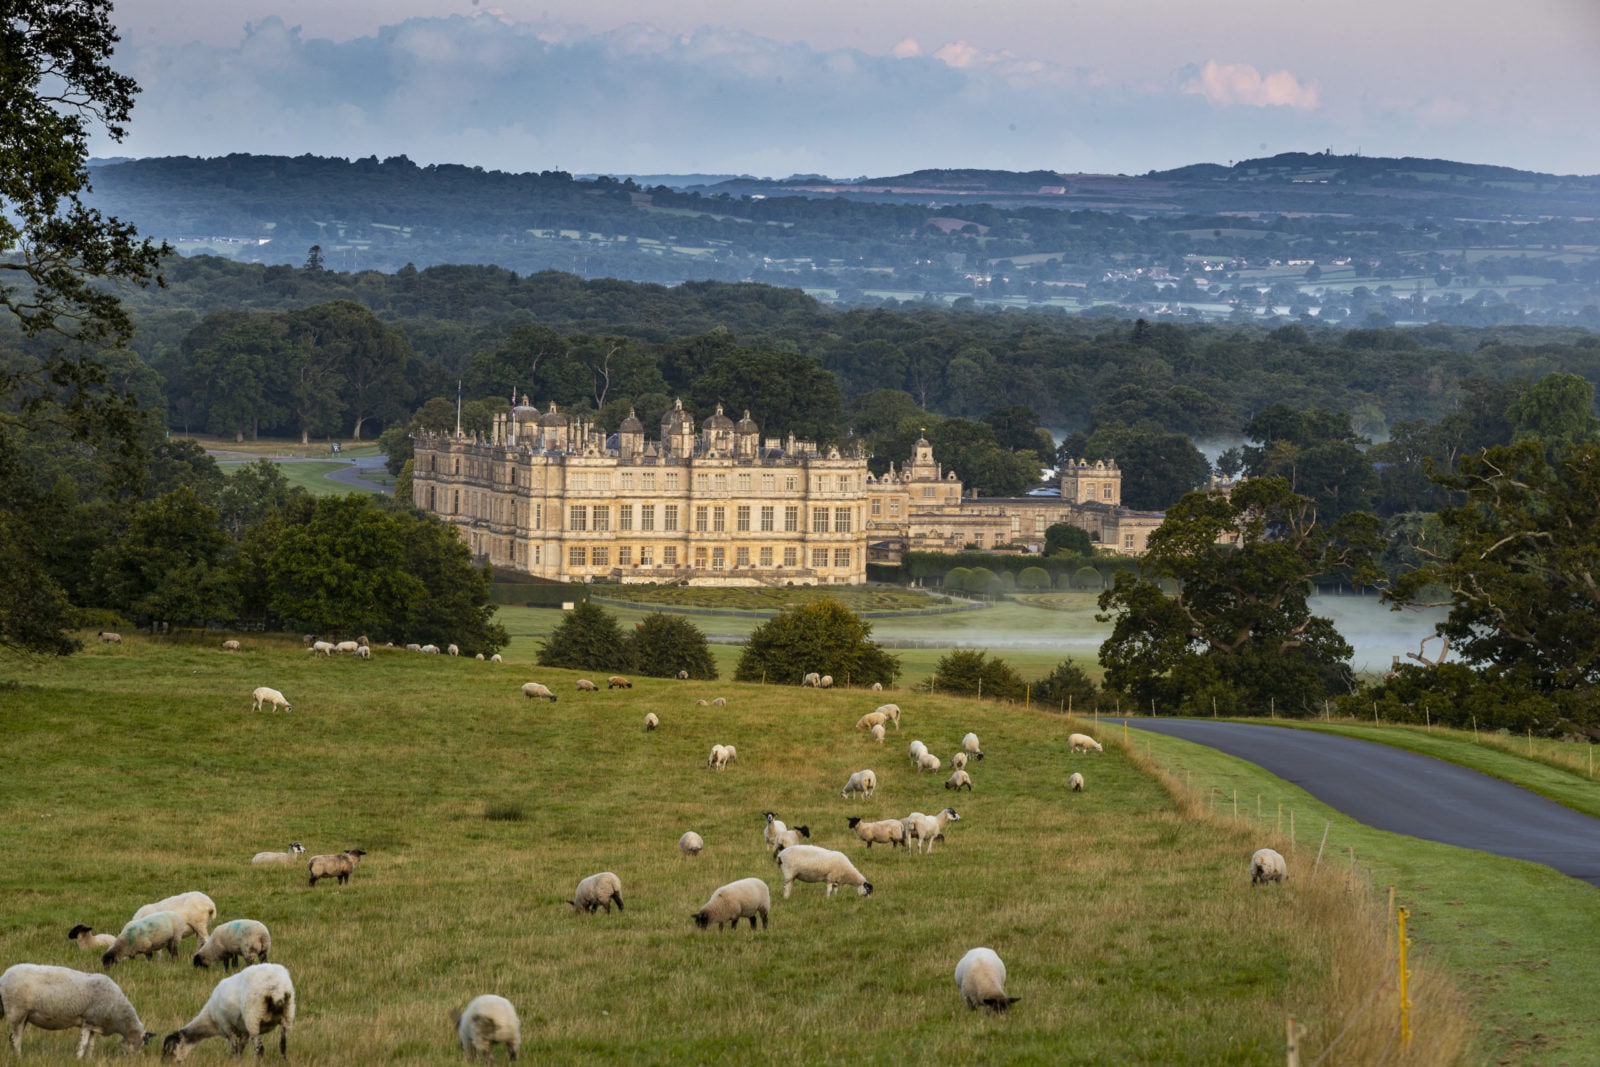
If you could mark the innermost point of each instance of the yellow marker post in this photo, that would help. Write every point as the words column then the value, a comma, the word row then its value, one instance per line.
column 1405, row 980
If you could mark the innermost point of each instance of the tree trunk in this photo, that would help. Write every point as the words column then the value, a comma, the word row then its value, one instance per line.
column 305, row 435
column 359, row 420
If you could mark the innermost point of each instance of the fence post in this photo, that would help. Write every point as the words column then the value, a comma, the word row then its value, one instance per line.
column 1293, row 1051
column 1405, row 980
column 1325, row 827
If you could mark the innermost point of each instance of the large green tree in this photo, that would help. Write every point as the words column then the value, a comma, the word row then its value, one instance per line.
column 587, row 638
column 661, row 645
column 1238, row 629
column 970, row 672
column 1317, row 452
column 824, row 637
column 169, row 564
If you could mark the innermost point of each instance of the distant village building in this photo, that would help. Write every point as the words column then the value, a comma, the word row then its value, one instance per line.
column 552, row 495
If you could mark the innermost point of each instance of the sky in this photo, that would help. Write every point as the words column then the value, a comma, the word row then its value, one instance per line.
column 850, row 88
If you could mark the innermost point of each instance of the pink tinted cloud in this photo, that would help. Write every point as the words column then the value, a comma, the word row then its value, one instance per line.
column 1226, row 84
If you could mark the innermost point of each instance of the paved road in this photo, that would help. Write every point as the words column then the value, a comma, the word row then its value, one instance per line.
column 1406, row 793
column 351, row 475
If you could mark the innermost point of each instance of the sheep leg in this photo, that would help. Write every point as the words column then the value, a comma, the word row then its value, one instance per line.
column 787, row 885
column 85, row 1033
column 283, row 1042
column 17, row 1026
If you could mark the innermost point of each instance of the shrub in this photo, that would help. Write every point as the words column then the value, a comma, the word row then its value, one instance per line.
column 823, row 636
column 1066, row 686
column 1034, row 578
column 662, row 645
column 588, row 639
column 956, row 578
column 972, row 672
column 983, row 580
column 1088, row 578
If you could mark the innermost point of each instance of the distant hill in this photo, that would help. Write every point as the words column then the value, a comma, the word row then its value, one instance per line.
column 1302, row 166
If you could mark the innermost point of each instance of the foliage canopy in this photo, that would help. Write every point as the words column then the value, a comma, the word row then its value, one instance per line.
column 824, row 637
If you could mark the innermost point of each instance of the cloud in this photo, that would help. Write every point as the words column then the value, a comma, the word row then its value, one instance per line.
column 1226, row 84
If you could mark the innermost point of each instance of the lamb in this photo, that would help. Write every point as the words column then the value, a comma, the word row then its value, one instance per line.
column 812, row 863
column 811, row 680
column 928, row 762
column 496, row 658
column 278, row 859
column 1083, row 742
column 244, row 1006
column 691, row 843
column 432, row 650
column 959, row 780
column 721, row 756
column 877, row 733
column 825, row 682
column 1267, row 865
column 959, row 761
column 871, row 719
column 338, row 865
column 413, row 647
column 927, row 828
column 109, row 638
column 479, row 657
column 486, row 1022
column 230, row 646
column 650, row 721
column 453, row 650
column 586, row 686
column 744, row 899
column 1075, row 782
column 597, row 891
column 917, row 749
column 195, row 908
column 264, row 696
column 616, row 681
column 241, row 939
column 683, row 676
column 59, row 998
column 88, row 940
column 321, row 648
column 719, row 702
column 877, row 687
column 981, row 977
column 145, row 936
column 702, row 703
column 891, row 832
column 537, row 691
column 969, row 744
column 363, row 652
column 774, row 827
column 862, row 784
column 347, row 648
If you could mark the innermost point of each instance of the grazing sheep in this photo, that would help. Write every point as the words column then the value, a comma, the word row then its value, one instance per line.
column 194, row 907
column 812, row 863
column 338, row 865
column 862, row 784
column 362, row 641
column 413, row 647
column 321, row 648
column 479, row 657
column 59, row 998
column 1084, row 743
column 891, row 832
column 683, row 676
column 1075, row 782
column 432, row 650
column 453, row 650
column 244, row 1006
column 586, row 686
column 884, row 713
column 811, row 680
column 109, row 638
column 278, row 859
column 230, row 646
column 744, row 899
column 779, row 837
column 877, row 687
column 537, row 691
column 307, row 639
column 925, row 829
column 347, row 648
column 486, row 1022
column 721, row 756
column 145, row 936
column 969, row 745
column 892, row 711
column 959, row 780
column 616, row 681
column 959, row 761
column 719, row 702
column 1267, row 865
column 650, row 721
column 495, row 658
column 364, row 652
column 702, row 703
column 981, row 977
column 877, row 733
column 691, row 843
column 88, row 940
column 825, row 682
column 263, row 696
column 927, row 762
column 597, row 891
column 916, row 750
column 240, row 939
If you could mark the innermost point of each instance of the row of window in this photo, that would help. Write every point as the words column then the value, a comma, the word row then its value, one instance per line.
column 707, row 518
column 714, row 558
column 671, row 481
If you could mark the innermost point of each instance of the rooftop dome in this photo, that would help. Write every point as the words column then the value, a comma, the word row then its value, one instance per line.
column 747, row 424
column 551, row 418
column 719, row 421
column 631, row 424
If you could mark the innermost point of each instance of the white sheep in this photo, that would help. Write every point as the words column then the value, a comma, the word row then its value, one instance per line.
column 959, row 780
column 59, row 998
column 877, row 687
column 969, row 745
column 537, row 691
column 321, row 648
column 586, row 686
column 916, row 750
column 862, row 784
column 145, row 936
column 981, row 977
column 339, row 865
column 1267, row 865
column 721, row 756
column 363, row 652
column 825, row 682
column 263, row 696
column 109, row 638
column 719, row 702
column 744, row 899
column 453, row 650
column 812, row 863
column 928, row 762
column 617, row 681
column 891, row 832
column 794, row 835
column 959, row 761
column 650, row 721
column 925, row 829
column 90, row 941
column 774, row 827
column 871, row 719
column 1084, row 743
column 683, row 676
column 811, row 680
column 1075, row 782
column 347, row 648
column 496, row 658
column 877, row 733
column 195, row 908
column 278, row 859
column 487, row 1021
column 890, row 712
column 479, row 657
column 691, row 843
column 432, row 650
column 230, row 646
column 244, row 1006
column 702, row 703
column 413, row 647
column 597, row 891
column 239, row 939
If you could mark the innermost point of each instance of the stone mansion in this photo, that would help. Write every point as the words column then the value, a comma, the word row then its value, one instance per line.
column 552, row 495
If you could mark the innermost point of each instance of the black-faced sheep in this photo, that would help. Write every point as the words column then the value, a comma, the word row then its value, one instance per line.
column 246, row 1005
column 338, row 865
column 969, row 745
column 59, row 998
column 537, row 691
column 745, row 899
column 981, row 977
column 1075, row 782
column 597, row 891
column 650, row 721
column 891, row 832
column 812, row 863
column 486, row 1022
column 959, row 780
column 925, row 829
column 109, row 638
column 586, row 686
column 90, row 941
column 240, row 939
column 616, row 681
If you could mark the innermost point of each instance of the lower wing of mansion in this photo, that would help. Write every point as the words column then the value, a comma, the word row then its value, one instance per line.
column 554, row 496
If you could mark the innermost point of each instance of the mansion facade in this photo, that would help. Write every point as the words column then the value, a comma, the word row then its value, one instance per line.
column 552, row 495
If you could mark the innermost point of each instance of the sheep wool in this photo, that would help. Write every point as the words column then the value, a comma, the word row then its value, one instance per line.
column 861, row 784
column 927, row 762
column 322, row 648
column 537, row 691
column 487, row 1021
column 495, row 658
column 339, row 865
column 586, row 686
column 230, row 646
column 925, row 829
column 240, row 939
column 597, row 891
column 1075, row 782
column 721, row 756
column 969, row 744
column 453, row 650
column 264, row 695
column 616, row 681
column 1083, row 743
column 891, row 832
column 145, row 936
column 959, row 780
column 981, row 977
column 90, row 941
column 745, row 899
column 194, row 907
column 278, row 859
column 691, row 843
column 959, row 761
column 256, row 1001
column 877, row 687
column 1267, row 865
column 877, row 733
column 916, row 750
column 650, row 721
column 109, row 638
column 59, row 998
column 812, row 863
column 346, row 648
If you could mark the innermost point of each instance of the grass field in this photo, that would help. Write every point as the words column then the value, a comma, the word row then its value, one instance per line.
column 1127, row 924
